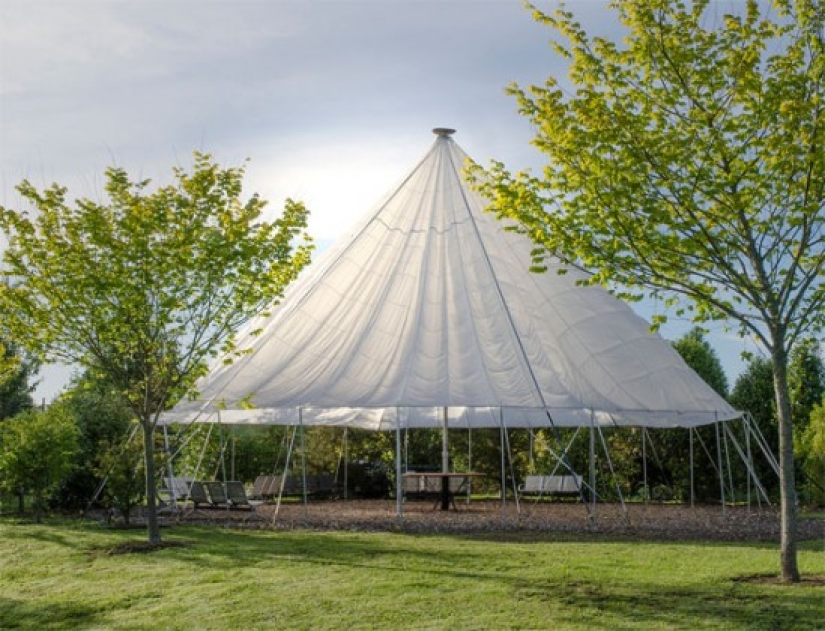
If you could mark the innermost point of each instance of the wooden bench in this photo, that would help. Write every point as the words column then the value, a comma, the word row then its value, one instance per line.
column 568, row 484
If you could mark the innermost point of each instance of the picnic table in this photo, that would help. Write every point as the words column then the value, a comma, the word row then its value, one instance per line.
column 443, row 483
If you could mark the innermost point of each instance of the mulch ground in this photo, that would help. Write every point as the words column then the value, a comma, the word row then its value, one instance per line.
column 649, row 521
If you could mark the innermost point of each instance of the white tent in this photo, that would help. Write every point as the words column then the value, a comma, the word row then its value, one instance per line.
column 427, row 309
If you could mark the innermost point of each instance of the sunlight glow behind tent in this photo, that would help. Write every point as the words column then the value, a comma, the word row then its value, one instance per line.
column 428, row 304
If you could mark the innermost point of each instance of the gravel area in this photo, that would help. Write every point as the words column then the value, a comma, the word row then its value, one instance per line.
column 649, row 521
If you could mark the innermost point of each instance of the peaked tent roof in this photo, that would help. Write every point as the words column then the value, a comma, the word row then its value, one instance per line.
column 429, row 304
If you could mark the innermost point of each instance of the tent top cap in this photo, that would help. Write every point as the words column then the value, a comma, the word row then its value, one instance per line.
column 443, row 131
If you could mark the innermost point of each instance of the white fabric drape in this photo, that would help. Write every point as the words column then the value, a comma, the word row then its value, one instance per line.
column 429, row 303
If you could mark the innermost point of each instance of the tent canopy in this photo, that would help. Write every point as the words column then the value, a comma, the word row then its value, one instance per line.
column 429, row 305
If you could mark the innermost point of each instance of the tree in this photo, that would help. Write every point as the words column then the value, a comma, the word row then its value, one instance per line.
column 37, row 451
column 145, row 287
column 120, row 464
column 16, row 372
column 753, row 392
column 813, row 442
column 700, row 356
column 806, row 376
column 689, row 163
column 102, row 417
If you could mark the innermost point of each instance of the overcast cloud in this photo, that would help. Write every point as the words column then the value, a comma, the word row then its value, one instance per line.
column 332, row 101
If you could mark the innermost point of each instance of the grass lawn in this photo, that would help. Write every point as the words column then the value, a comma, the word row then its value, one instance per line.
column 62, row 575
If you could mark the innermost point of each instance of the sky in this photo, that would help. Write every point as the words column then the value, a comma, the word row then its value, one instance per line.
column 331, row 102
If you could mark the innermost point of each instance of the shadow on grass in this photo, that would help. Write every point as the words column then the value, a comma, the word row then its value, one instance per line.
column 18, row 614
column 730, row 604
column 720, row 606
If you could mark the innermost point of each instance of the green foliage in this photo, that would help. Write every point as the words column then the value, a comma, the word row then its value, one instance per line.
column 145, row 287
column 102, row 417
column 37, row 452
column 813, row 446
column 120, row 464
column 688, row 159
column 753, row 392
column 806, row 378
column 702, row 358
column 688, row 162
column 16, row 388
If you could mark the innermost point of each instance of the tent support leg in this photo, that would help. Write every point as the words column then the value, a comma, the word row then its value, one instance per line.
column 303, row 458
column 399, row 487
column 746, row 459
column 613, row 474
column 286, row 468
column 346, row 463
column 592, row 457
column 644, row 466
column 469, row 460
column 750, row 462
column 692, row 479
column 503, row 475
column 445, row 461
column 510, row 459
column 720, row 470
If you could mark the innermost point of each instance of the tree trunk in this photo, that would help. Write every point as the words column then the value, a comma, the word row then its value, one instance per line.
column 788, row 556
column 151, row 487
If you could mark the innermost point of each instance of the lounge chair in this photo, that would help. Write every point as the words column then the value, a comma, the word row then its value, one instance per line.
column 176, row 489
column 236, row 493
column 260, row 486
column 217, row 494
column 198, row 495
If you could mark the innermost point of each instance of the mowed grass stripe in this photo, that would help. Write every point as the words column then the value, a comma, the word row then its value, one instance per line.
column 60, row 575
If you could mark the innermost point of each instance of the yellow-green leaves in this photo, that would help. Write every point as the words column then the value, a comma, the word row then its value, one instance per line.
column 688, row 157
column 149, row 284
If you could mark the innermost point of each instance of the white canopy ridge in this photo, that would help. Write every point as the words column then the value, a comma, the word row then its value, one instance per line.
column 429, row 304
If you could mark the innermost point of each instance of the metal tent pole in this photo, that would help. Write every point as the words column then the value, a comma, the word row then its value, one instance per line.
column 469, row 459
column 286, row 467
column 232, row 454
column 731, row 488
column 510, row 458
column 719, row 467
column 445, row 461
column 644, row 465
column 592, row 455
column 303, row 457
column 399, row 490
column 612, row 471
column 692, row 483
column 346, row 463
column 750, row 461
column 503, row 465
column 757, row 485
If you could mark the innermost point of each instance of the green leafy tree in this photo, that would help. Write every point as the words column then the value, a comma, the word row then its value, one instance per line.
column 37, row 452
column 813, row 443
column 753, row 392
column 146, row 286
column 806, row 377
column 102, row 417
column 702, row 358
column 688, row 162
column 121, row 465
column 16, row 387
